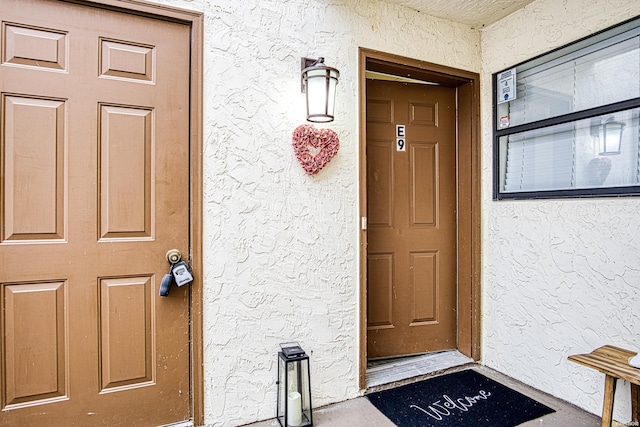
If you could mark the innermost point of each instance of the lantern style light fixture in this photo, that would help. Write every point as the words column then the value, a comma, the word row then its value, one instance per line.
column 607, row 135
column 611, row 138
column 294, row 387
column 319, row 83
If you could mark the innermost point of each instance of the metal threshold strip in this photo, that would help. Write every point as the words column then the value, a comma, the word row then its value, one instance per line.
column 398, row 369
column 179, row 424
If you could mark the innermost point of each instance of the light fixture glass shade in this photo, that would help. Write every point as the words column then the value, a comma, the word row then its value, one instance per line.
column 319, row 83
column 611, row 138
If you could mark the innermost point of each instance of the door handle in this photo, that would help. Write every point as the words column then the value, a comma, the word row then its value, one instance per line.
column 179, row 272
column 173, row 256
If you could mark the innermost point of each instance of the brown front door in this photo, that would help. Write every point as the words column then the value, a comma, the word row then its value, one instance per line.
column 411, row 218
column 94, row 147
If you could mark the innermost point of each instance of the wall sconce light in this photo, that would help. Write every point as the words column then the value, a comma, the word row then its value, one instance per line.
column 612, row 138
column 608, row 136
column 319, row 83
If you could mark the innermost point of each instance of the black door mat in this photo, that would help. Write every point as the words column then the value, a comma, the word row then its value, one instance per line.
column 461, row 399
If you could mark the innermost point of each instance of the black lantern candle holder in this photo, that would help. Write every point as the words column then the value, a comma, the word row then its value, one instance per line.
column 294, row 387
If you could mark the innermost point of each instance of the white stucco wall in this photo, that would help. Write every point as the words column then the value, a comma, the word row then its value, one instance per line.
column 559, row 277
column 280, row 247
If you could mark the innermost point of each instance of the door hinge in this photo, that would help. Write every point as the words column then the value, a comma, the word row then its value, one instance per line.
column 363, row 223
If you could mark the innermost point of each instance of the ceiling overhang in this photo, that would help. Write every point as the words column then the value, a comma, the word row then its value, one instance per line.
column 476, row 13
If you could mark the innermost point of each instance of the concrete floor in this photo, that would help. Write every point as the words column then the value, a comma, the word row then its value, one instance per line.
column 360, row 412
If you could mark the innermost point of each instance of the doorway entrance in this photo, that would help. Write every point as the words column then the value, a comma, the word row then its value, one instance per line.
column 98, row 184
column 419, row 193
column 411, row 218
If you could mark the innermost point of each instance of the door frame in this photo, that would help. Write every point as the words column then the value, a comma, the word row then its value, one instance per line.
column 468, row 189
column 195, row 20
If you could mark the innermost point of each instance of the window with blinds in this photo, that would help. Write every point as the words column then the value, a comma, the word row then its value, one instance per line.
column 572, row 129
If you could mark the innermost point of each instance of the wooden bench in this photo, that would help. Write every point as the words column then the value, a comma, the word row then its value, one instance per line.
column 614, row 363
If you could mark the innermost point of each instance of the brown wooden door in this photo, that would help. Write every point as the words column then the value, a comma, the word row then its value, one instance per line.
column 411, row 219
column 94, row 148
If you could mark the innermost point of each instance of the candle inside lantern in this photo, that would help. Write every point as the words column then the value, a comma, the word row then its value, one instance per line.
column 294, row 409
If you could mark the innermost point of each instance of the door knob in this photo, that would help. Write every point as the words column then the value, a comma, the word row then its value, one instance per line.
column 179, row 272
column 173, row 256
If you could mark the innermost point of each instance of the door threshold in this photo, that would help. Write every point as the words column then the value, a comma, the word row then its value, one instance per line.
column 381, row 372
column 179, row 424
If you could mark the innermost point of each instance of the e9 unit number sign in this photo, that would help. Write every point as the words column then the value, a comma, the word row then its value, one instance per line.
column 401, row 142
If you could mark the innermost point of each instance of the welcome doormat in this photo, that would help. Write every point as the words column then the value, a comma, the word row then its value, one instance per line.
column 461, row 399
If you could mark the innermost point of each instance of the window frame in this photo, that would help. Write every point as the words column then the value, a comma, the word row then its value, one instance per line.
column 618, row 191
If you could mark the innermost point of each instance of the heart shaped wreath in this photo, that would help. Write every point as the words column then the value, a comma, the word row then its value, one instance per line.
column 314, row 148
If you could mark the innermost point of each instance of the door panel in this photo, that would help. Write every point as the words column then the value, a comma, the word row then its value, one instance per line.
column 380, row 297
column 411, row 215
column 125, row 144
column 125, row 317
column 29, row 308
column 94, row 144
column 34, row 160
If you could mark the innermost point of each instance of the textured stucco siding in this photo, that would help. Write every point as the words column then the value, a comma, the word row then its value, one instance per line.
column 559, row 277
column 281, row 248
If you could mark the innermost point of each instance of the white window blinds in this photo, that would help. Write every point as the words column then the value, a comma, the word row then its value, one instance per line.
column 565, row 156
column 604, row 73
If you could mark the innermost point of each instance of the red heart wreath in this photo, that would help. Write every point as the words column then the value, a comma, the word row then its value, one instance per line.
column 314, row 148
